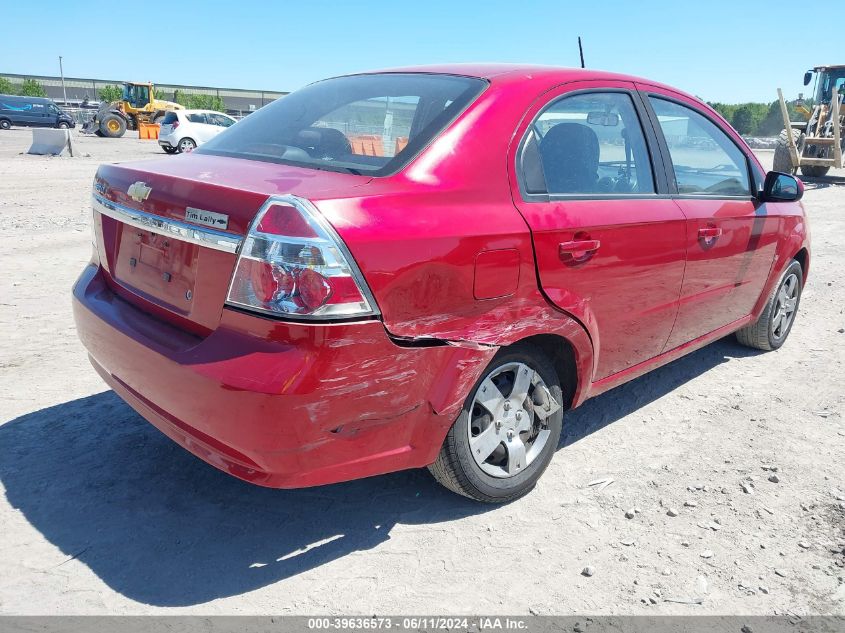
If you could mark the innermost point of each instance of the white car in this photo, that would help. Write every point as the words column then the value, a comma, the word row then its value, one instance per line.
column 184, row 130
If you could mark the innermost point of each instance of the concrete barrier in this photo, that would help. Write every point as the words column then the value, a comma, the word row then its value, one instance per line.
column 50, row 141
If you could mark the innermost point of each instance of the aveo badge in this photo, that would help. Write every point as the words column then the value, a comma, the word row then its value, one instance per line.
column 208, row 218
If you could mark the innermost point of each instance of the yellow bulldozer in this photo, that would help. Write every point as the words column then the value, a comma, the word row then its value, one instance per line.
column 136, row 105
column 815, row 145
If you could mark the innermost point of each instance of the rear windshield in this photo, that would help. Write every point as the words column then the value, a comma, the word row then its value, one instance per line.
column 170, row 118
column 361, row 124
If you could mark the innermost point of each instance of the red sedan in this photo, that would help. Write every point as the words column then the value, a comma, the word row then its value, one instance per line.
column 427, row 267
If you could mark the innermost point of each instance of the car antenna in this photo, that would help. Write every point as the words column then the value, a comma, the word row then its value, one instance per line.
column 581, row 51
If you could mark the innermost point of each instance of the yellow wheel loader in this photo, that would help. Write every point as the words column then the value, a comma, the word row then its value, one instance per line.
column 817, row 144
column 137, row 105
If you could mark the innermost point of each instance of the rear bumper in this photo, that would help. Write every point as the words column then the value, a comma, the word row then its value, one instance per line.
column 279, row 404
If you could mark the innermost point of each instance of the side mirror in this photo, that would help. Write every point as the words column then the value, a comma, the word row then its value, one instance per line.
column 808, row 77
column 782, row 188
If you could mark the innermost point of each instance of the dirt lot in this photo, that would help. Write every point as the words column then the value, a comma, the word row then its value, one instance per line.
column 100, row 513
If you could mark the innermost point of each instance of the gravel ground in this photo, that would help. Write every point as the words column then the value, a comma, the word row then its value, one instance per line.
column 100, row 513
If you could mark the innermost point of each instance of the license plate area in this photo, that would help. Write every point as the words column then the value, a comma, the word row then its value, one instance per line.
column 158, row 267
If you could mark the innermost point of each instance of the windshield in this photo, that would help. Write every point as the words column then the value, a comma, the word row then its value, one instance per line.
column 832, row 78
column 137, row 95
column 361, row 124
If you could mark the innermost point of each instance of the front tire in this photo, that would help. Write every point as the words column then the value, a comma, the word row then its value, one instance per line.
column 113, row 126
column 507, row 431
column 782, row 160
column 775, row 323
column 170, row 150
column 63, row 126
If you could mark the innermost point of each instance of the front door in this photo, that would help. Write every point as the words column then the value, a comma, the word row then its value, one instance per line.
column 730, row 239
column 202, row 129
column 609, row 242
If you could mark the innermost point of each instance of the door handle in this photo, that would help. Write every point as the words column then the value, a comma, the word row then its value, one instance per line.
column 578, row 251
column 709, row 232
column 576, row 246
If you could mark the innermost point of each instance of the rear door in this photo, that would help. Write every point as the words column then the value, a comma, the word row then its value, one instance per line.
column 730, row 239
column 609, row 241
column 10, row 108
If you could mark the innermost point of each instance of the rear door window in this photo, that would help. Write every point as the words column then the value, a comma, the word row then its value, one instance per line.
column 705, row 159
column 197, row 117
column 585, row 144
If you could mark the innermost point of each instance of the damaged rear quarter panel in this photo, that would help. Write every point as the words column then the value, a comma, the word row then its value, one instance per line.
column 420, row 266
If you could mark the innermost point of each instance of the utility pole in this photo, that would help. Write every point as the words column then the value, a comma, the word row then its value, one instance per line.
column 62, row 74
column 581, row 51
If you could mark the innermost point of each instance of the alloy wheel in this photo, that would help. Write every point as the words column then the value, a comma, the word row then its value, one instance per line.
column 508, row 426
column 785, row 304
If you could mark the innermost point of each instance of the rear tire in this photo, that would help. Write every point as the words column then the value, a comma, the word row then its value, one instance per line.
column 5, row 124
column 170, row 150
column 775, row 323
column 186, row 144
column 528, row 433
column 783, row 161
column 63, row 126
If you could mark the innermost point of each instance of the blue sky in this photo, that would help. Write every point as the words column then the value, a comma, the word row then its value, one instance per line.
column 721, row 51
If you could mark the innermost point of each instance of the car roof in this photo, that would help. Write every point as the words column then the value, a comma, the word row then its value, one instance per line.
column 494, row 70
column 549, row 75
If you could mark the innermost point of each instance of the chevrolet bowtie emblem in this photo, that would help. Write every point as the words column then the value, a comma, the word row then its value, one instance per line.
column 139, row 191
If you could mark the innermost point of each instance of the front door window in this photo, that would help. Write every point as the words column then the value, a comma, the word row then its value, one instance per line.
column 706, row 161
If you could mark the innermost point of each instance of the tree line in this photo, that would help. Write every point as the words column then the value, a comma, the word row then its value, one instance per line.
column 757, row 119
column 29, row 88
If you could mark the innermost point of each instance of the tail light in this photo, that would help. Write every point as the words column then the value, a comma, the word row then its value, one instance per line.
column 293, row 263
column 174, row 125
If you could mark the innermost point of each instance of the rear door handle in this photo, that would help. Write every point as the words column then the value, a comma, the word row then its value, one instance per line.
column 709, row 233
column 579, row 246
column 578, row 251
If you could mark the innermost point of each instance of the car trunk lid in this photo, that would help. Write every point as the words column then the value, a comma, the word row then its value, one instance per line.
column 167, row 231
